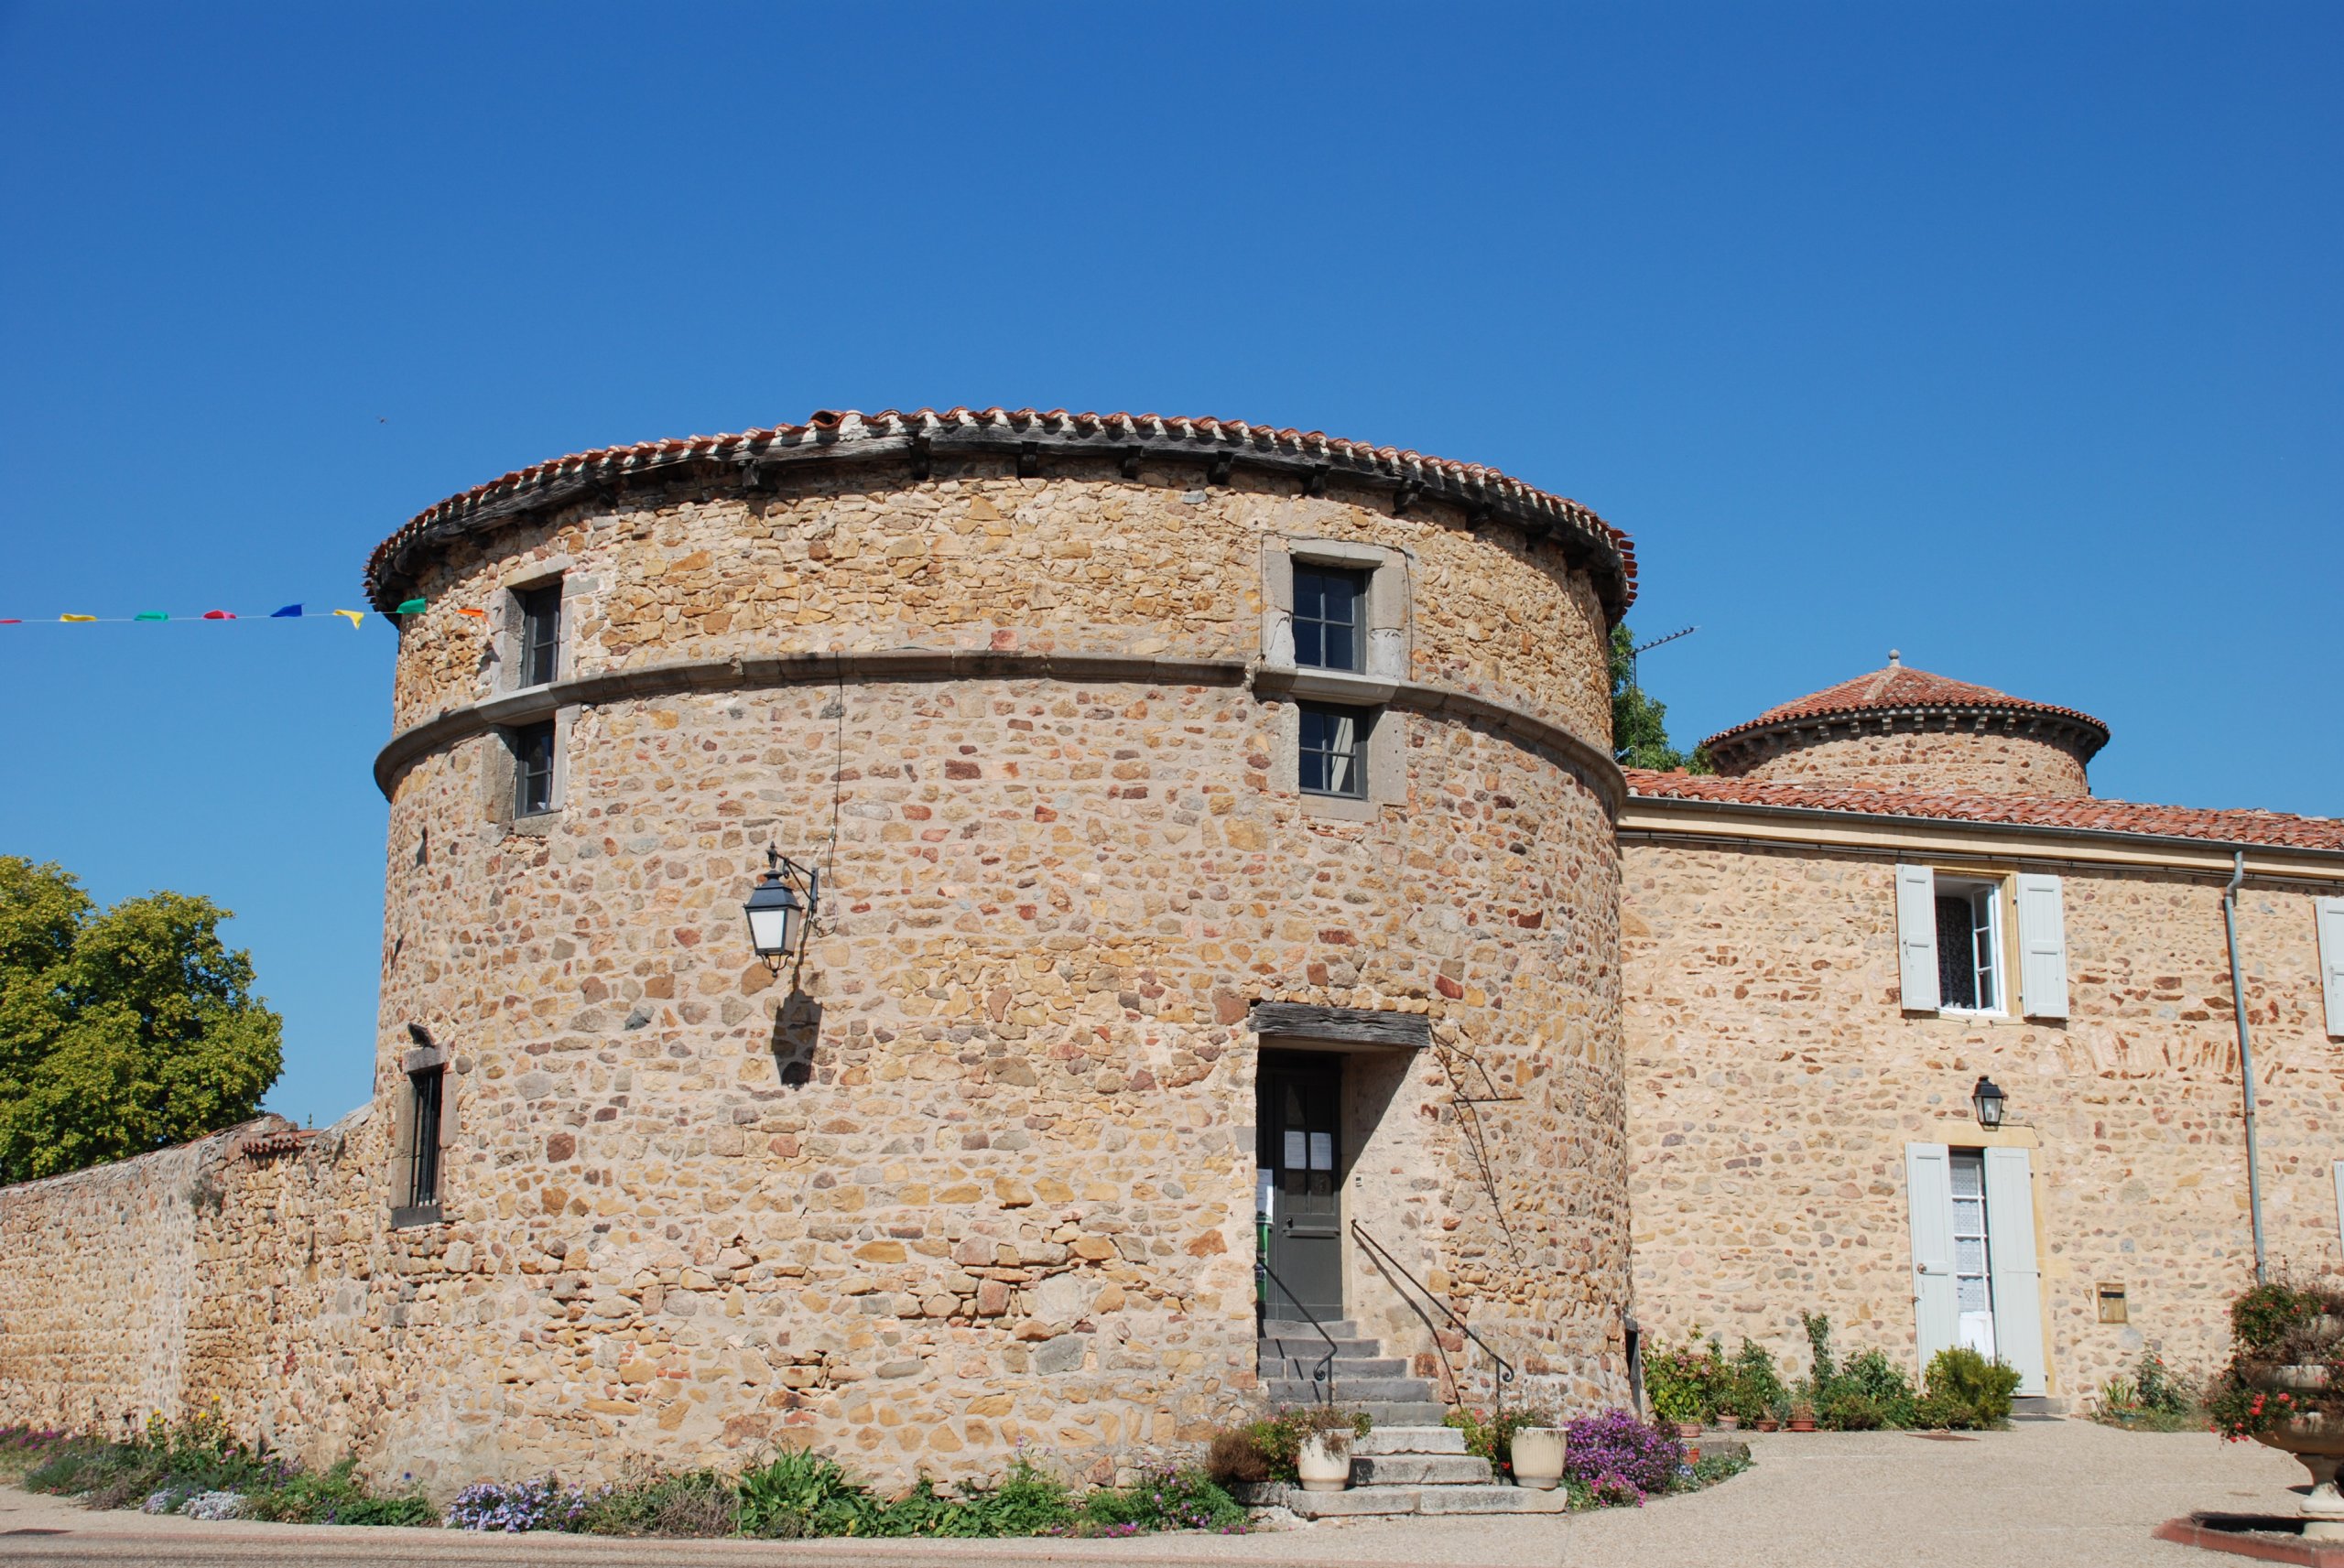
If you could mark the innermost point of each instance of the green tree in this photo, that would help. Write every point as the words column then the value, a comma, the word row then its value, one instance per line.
column 1640, row 723
column 122, row 1030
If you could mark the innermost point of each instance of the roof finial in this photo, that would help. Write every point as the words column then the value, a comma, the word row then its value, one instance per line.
column 1895, row 660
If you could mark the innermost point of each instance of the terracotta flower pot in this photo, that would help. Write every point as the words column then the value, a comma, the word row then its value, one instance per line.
column 1324, row 1462
column 1539, row 1457
column 1729, row 1422
column 1802, row 1423
column 1688, row 1431
column 1768, row 1423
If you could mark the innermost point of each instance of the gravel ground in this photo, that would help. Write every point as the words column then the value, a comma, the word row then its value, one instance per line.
column 2052, row 1492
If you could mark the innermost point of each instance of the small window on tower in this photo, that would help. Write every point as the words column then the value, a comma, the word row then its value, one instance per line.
column 540, row 634
column 533, row 755
column 1330, row 622
column 1333, row 753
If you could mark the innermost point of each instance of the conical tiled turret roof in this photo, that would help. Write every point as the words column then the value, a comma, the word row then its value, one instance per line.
column 1897, row 688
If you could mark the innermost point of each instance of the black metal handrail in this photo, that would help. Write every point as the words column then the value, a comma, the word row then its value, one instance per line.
column 1390, row 1265
column 1323, row 1374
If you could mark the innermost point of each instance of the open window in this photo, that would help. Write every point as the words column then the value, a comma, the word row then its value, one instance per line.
column 1969, row 917
column 1954, row 933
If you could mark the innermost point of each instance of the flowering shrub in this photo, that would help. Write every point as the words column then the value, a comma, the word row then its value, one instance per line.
column 2287, row 1355
column 1166, row 1499
column 543, row 1504
column 1619, row 1458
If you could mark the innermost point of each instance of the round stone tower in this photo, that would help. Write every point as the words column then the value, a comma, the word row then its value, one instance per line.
column 1209, row 819
column 1907, row 728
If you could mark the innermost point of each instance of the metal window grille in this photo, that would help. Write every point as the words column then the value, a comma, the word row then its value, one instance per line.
column 533, row 770
column 1333, row 755
column 1328, row 635
column 423, row 1156
column 540, row 634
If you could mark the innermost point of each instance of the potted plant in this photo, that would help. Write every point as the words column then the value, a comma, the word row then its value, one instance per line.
column 1322, row 1460
column 1537, row 1453
column 2284, row 1385
column 1802, row 1416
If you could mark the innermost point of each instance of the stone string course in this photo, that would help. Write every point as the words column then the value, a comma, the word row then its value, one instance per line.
column 978, row 1175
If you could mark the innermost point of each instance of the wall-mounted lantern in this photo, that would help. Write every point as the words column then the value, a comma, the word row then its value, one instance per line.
column 1988, row 1101
column 779, row 906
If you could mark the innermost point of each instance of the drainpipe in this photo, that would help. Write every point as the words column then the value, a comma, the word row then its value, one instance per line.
column 2245, row 1057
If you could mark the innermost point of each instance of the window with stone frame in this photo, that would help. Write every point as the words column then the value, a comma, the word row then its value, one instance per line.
column 1332, row 755
column 1969, row 945
column 539, row 629
column 533, row 769
column 1330, row 605
column 423, row 1129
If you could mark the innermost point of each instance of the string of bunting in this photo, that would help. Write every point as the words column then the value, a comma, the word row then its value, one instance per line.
column 285, row 612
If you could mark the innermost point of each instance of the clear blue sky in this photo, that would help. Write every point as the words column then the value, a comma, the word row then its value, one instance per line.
column 2007, row 335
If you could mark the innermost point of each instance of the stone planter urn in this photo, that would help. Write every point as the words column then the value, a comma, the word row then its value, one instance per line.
column 2317, row 1443
column 1324, row 1462
column 1539, row 1457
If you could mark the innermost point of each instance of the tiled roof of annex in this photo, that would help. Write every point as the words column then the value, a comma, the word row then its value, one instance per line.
column 840, row 432
column 2083, row 813
column 1899, row 689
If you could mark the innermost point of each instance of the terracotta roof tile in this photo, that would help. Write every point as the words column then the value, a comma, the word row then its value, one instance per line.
column 280, row 1142
column 2274, row 828
column 1472, row 483
column 1898, row 689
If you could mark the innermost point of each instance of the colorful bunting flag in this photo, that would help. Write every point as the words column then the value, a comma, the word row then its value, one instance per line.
column 293, row 612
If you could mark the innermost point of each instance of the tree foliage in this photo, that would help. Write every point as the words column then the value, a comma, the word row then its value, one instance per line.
column 1639, row 722
column 122, row 1030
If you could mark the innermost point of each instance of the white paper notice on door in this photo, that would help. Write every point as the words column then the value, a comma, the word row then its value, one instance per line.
column 1296, row 1160
column 1322, row 1150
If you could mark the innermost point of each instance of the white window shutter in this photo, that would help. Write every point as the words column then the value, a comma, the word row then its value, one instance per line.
column 2331, row 961
column 1916, row 938
column 2009, row 1246
column 2339, row 1202
column 2042, row 947
column 1928, row 1188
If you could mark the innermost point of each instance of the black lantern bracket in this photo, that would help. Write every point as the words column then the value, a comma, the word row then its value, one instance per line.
column 791, row 892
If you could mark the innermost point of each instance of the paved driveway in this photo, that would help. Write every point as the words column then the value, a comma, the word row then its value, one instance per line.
column 2052, row 1492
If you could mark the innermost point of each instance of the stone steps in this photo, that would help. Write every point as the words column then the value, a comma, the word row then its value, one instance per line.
column 1398, row 1438
column 1352, row 1390
column 1369, row 1501
column 1420, row 1470
column 1310, row 1347
column 1302, row 1366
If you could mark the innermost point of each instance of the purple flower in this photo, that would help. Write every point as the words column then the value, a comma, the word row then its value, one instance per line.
column 1619, row 1457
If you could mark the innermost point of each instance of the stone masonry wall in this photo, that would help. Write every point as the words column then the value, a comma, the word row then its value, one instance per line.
column 987, row 1177
column 1995, row 762
column 861, row 558
column 1774, row 1082
column 980, row 1174
column 97, row 1275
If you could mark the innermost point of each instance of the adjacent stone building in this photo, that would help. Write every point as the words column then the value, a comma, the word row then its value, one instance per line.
column 1200, row 822
column 1895, row 888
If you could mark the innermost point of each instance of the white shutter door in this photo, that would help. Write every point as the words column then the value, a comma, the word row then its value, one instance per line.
column 2331, row 961
column 1916, row 938
column 2339, row 1201
column 2009, row 1248
column 1928, row 1187
column 2042, row 947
